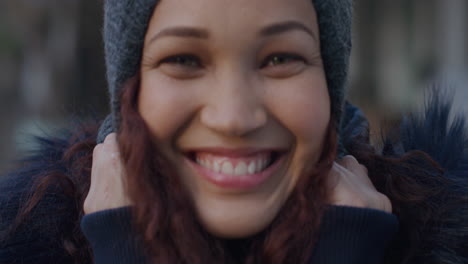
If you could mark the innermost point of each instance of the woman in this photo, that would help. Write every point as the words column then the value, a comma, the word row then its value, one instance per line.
column 227, row 117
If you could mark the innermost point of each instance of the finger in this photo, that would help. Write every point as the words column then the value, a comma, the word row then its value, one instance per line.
column 96, row 159
column 111, row 145
column 333, row 178
column 340, row 186
column 348, row 162
column 112, row 137
column 352, row 164
column 355, row 178
column 345, row 177
column 337, row 183
column 97, row 149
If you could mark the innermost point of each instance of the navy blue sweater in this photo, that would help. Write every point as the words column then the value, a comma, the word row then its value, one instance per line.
column 348, row 235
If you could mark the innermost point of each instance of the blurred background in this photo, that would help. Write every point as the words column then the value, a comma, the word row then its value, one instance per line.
column 52, row 67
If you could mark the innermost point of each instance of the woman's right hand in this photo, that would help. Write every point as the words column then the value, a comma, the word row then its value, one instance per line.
column 350, row 186
column 107, row 178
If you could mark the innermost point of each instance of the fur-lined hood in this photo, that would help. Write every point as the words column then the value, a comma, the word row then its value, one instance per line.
column 444, row 137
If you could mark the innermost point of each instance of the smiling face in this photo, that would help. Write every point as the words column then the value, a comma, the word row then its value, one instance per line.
column 235, row 95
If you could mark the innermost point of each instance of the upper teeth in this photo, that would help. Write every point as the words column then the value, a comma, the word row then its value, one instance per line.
column 226, row 166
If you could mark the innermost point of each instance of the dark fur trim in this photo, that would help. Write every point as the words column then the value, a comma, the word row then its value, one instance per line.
column 445, row 238
column 433, row 133
column 42, row 237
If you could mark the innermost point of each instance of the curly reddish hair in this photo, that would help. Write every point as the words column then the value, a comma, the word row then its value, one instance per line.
column 165, row 214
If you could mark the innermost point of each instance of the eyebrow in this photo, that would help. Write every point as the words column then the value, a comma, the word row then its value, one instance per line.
column 192, row 32
column 181, row 31
column 283, row 27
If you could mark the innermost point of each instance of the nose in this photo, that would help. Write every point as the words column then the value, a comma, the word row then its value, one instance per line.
column 234, row 108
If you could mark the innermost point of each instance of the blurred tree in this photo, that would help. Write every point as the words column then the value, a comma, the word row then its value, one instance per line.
column 90, row 90
column 52, row 67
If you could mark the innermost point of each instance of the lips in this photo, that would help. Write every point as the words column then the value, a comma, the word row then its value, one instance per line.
column 239, row 169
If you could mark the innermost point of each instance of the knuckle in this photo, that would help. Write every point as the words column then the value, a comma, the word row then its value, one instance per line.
column 334, row 176
column 364, row 168
column 361, row 169
column 97, row 149
column 352, row 164
column 350, row 158
column 111, row 138
column 335, row 169
column 349, row 161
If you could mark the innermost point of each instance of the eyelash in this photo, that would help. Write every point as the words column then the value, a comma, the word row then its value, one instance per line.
column 287, row 57
column 180, row 59
column 194, row 61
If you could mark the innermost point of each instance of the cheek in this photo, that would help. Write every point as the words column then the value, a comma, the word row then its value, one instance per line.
column 305, row 117
column 303, row 107
column 164, row 105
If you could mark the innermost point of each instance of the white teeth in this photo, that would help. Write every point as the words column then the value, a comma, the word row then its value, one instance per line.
column 224, row 166
column 252, row 168
column 216, row 166
column 241, row 169
column 227, row 168
column 204, row 163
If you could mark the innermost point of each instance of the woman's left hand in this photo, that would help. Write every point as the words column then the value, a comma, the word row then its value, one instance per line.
column 350, row 186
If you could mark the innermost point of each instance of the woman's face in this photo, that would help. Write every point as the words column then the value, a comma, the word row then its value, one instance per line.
column 234, row 93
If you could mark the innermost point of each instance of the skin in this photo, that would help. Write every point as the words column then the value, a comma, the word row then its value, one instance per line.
column 231, row 86
column 231, row 99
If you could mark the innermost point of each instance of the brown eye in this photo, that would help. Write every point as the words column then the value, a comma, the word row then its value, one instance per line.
column 283, row 65
column 280, row 59
column 188, row 61
column 183, row 66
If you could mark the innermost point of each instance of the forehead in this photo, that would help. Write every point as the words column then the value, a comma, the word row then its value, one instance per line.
column 226, row 14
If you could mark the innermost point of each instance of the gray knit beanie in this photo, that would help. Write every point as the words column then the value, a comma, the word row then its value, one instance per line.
column 126, row 22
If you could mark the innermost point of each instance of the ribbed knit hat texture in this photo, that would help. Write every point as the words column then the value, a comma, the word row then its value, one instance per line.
column 126, row 22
